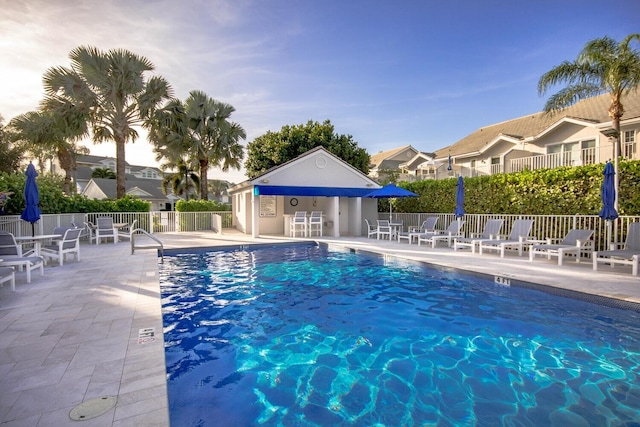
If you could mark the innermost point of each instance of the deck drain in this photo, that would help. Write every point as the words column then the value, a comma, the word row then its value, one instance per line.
column 92, row 408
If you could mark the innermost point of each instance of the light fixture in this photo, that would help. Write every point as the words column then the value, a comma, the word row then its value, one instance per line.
column 264, row 181
column 610, row 133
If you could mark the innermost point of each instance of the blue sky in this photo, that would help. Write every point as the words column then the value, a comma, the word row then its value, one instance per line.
column 425, row 73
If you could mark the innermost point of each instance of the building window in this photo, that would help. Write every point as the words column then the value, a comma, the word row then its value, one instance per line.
column 496, row 167
column 588, row 152
column 562, row 154
column 629, row 144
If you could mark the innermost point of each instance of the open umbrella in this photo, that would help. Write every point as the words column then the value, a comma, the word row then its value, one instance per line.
column 608, row 194
column 31, row 212
column 390, row 191
column 459, row 212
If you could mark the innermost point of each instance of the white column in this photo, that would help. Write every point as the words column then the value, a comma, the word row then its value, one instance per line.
column 255, row 216
column 336, row 214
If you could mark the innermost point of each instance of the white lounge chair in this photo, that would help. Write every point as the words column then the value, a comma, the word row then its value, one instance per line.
column 449, row 234
column 384, row 229
column 315, row 223
column 491, row 231
column 519, row 234
column 628, row 255
column 105, row 230
column 428, row 226
column 576, row 241
column 298, row 223
column 7, row 274
column 11, row 255
column 69, row 244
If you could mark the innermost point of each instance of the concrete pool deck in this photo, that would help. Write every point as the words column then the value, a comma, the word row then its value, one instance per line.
column 83, row 330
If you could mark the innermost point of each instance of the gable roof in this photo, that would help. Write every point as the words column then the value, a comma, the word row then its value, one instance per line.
column 317, row 172
column 590, row 111
column 137, row 187
column 377, row 159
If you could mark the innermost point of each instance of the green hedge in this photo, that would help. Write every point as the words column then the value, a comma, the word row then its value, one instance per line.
column 201, row 206
column 560, row 191
column 54, row 201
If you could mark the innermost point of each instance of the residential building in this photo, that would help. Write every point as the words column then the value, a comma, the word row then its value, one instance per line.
column 392, row 164
column 577, row 135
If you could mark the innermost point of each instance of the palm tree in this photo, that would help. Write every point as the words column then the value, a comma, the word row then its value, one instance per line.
column 103, row 173
column 603, row 66
column 109, row 90
column 45, row 132
column 10, row 153
column 217, row 187
column 199, row 128
column 182, row 180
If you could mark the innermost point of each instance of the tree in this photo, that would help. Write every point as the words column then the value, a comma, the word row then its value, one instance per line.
column 10, row 153
column 46, row 132
column 103, row 173
column 275, row 148
column 603, row 66
column 182, row 180
column 199, row 129
column 108, row 89
column 217, row 187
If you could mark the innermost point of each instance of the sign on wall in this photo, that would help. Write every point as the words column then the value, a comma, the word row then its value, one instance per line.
column 268, row 206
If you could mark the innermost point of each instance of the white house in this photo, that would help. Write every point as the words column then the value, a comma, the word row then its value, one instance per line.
column 314, row 181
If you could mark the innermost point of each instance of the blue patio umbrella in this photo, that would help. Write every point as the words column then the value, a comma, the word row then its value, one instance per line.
column 459, row 212
column 31, row 212
column 608, row 193
column 390, row 191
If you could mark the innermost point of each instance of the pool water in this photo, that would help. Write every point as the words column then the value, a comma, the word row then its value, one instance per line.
column 303, row 335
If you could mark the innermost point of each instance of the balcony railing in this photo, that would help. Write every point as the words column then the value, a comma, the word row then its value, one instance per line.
column 586, row 156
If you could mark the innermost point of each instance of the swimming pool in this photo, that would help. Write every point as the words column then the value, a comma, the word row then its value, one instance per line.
column 307, row 335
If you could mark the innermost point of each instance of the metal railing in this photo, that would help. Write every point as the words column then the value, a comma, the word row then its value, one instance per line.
column 586, row 156
column 151, row 222
column 544, row 226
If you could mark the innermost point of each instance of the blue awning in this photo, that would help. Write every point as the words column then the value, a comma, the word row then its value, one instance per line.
column 279, row 190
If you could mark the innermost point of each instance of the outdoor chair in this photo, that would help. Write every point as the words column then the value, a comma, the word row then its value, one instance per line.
column 577, row 242
column 519, row 234
column 372, row 230
column 315, row 223
column 105, row 230
column 491, row 231
column 7, row 274
column 298, row 223
column 449, row 234
column 11, row 255
column 628, row 255
column 69, row 244
column 427, row 226
column 91, row 231
column 125, row 232
column 384, row 229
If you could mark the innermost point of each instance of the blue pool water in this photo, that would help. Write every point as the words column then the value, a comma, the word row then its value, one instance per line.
column 303, row 335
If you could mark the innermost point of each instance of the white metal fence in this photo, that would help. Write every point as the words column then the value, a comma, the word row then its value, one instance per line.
column 544, row 226
column 152, row 222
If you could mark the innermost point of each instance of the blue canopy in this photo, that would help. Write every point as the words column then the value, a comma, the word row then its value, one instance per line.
column 459, row 212
column 608, row 211
column 31, row 212
column 390, row 191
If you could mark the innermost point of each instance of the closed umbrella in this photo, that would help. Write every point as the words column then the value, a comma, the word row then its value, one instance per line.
column 459, row 212
column 390, row 191
column 31, row 212
column 608, row 194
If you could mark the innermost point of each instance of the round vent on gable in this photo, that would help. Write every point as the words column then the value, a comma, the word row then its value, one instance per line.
column 321, row 162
